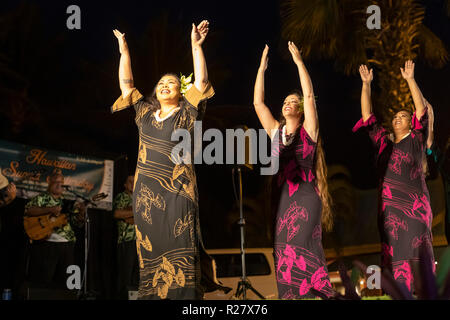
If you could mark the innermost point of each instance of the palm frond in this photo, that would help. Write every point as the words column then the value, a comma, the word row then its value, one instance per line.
column 431, row 48
column 312, row 24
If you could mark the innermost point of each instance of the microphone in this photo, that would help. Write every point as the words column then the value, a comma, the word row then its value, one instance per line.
column 247, row 148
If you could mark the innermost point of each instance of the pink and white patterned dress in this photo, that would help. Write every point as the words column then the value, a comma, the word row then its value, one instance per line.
column 299, row 257
column 405, row 216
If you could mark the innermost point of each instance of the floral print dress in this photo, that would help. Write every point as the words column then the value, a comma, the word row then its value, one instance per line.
column 405, row 217
column 165, row 201
column 299, row 257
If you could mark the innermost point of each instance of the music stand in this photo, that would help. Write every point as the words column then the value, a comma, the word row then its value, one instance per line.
column 244, row 284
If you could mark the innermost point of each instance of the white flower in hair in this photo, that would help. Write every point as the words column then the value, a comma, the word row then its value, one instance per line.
column 185, row 83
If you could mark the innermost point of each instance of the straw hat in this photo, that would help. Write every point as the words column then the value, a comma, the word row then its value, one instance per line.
column 3, row 181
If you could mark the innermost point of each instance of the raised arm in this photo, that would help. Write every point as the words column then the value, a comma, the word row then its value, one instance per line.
column 198, row 36
column 430, row 136
column 125, row 73
column 366, row 100
column 268, row 122
column 408, row 75
column 311, row 123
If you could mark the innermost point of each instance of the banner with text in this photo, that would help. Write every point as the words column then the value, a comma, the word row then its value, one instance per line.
column 28, row 167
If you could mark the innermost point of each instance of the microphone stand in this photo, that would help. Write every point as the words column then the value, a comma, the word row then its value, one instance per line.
column 244, row 284
column 84, row 295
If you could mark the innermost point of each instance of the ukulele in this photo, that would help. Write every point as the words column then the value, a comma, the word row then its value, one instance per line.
column 41, row 227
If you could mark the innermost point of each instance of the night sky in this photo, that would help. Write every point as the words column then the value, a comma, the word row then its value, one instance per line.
column 71, row 76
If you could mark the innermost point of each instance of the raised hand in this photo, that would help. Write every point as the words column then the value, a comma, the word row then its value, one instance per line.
column 199, row 33
column 408, row 72
column 121, row 39
column 296, row 54
column 366, row 75
column 264, row 59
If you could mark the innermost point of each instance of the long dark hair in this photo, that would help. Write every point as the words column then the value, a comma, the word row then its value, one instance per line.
column 153, row 101
column 320, row 169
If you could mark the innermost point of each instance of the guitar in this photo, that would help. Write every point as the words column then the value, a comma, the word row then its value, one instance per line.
column 41, row 227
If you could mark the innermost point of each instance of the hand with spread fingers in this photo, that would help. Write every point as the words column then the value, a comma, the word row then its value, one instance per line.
column 408, row 71
column 416, row 93
column 366, row 75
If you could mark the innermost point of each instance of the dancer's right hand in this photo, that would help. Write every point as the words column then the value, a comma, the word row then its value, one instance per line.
column 264, row 59
column 121, row 39
column 366, row 75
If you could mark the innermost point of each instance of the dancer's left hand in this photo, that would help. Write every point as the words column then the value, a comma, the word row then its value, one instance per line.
column 199, row 33
column 408, row 72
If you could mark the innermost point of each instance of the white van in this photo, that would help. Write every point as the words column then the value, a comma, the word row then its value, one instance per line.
column 259, row 270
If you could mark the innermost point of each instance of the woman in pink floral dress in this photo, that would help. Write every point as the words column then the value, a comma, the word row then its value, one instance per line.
column 405, row 216
column 301, row 201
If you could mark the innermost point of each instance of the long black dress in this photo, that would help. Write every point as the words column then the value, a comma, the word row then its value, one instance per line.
column 299, row 257
column 405, row 215
column 165, row 202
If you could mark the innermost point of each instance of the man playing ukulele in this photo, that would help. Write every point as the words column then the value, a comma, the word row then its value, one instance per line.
column 49, row 258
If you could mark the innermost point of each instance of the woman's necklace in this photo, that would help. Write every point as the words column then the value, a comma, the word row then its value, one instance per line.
column 165, row 114
column 287, row 138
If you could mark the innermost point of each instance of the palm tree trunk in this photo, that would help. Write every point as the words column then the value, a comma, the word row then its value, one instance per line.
column 395, row 43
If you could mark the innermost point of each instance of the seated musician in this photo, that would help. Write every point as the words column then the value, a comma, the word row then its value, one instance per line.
column 50, row 257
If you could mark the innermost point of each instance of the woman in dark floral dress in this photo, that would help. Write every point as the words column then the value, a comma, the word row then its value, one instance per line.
column 165, row 200
column 301, row 201
column 405, row 215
